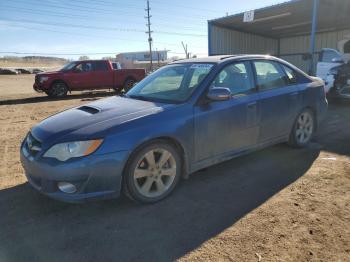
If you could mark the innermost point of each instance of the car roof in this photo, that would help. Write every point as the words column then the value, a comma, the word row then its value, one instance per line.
column 221, row 58
column 91, row 60
column 224, row 58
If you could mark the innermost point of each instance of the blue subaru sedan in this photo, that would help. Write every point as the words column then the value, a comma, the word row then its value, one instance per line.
column 184, row 117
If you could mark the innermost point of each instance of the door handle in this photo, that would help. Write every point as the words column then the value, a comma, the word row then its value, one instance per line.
column 294, row 96
column 251, row 105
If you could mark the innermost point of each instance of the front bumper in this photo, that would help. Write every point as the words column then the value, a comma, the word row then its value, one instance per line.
column 39, row 87
column 95, row 176
column 339, row 91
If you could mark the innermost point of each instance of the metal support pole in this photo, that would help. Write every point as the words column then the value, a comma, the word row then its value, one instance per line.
column 209, row 39
column 313, row 36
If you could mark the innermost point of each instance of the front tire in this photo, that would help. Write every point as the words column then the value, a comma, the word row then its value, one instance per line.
column 58, row 90
column 128, row 84
column 152, row 172
column 303, row 129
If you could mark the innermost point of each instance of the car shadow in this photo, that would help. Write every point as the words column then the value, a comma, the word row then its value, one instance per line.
column 86, row 96
column 35, row 228
column 334, row 132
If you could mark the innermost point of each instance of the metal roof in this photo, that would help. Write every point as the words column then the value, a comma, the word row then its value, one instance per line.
column 291, row 18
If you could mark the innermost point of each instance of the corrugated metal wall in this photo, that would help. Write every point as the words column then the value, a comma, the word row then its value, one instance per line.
column 226, row 41
column 301, row 44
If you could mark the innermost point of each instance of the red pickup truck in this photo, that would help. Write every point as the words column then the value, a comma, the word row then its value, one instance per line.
column 87, row 75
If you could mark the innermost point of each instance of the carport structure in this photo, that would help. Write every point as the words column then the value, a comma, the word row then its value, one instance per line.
column 295, row 30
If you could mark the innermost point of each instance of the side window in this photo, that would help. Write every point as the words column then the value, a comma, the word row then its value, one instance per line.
column 291, row 75
column 236, row 77
column 269, row 75
column 84, row 67
column 100, row 66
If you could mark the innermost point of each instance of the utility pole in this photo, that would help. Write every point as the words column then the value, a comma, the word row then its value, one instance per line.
column 158, row 58
column 149, row 32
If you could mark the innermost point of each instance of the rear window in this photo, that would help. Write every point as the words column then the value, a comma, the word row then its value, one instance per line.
column 269, row 75
column 292, row 77
column 100, row 66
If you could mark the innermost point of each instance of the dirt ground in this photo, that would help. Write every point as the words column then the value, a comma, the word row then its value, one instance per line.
column 278, row 204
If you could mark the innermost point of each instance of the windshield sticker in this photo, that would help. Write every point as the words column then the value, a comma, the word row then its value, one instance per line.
column 201, row 66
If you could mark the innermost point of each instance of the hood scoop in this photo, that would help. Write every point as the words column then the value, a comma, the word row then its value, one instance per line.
column 89, row 109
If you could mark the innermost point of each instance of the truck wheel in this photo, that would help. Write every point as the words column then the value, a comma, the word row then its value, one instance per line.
column 58, row 89
column 128, row 84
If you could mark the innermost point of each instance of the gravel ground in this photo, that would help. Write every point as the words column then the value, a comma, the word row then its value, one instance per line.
column 278, row 204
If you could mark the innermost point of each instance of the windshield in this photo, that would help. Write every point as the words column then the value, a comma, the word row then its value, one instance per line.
column 173, row 83
column 69, row 66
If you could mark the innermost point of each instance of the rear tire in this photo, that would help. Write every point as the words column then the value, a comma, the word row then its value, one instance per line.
column 58, row 89
column 303, row 129
column 152, row 173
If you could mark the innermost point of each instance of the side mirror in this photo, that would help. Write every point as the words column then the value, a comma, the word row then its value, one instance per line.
column 219, row 94
column 338, row 60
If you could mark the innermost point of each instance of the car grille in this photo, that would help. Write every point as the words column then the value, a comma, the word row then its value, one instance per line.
column 32, row 144
column 37, row 79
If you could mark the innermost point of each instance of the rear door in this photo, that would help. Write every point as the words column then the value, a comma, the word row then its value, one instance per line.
column 102, row 75
column 228, row 126
column 279, row 99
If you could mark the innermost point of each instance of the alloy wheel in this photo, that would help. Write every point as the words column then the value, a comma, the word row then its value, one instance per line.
column 305, row 128
column 59, row 90
column 154, row 173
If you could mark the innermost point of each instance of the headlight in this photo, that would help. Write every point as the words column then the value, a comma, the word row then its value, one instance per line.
column 65, row 151
column 43, row 79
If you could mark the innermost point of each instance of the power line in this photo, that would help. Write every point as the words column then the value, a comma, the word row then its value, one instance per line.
column 63, row 15
column 75, row 54
column 101, row 28
column 162, row 2
column 99, row 36
column 81, row 8
column 36, row 11
column 36, row 53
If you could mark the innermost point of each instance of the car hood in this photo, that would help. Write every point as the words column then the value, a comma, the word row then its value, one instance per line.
column 49, row 73
column 100, row 114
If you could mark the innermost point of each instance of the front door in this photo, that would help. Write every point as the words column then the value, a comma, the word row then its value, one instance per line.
column 81, row 77
column 225, row 127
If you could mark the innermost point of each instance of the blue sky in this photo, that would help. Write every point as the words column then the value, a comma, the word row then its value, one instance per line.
column 70, row 28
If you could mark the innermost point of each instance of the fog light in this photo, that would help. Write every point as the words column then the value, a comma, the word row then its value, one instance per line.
column 66, row 187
